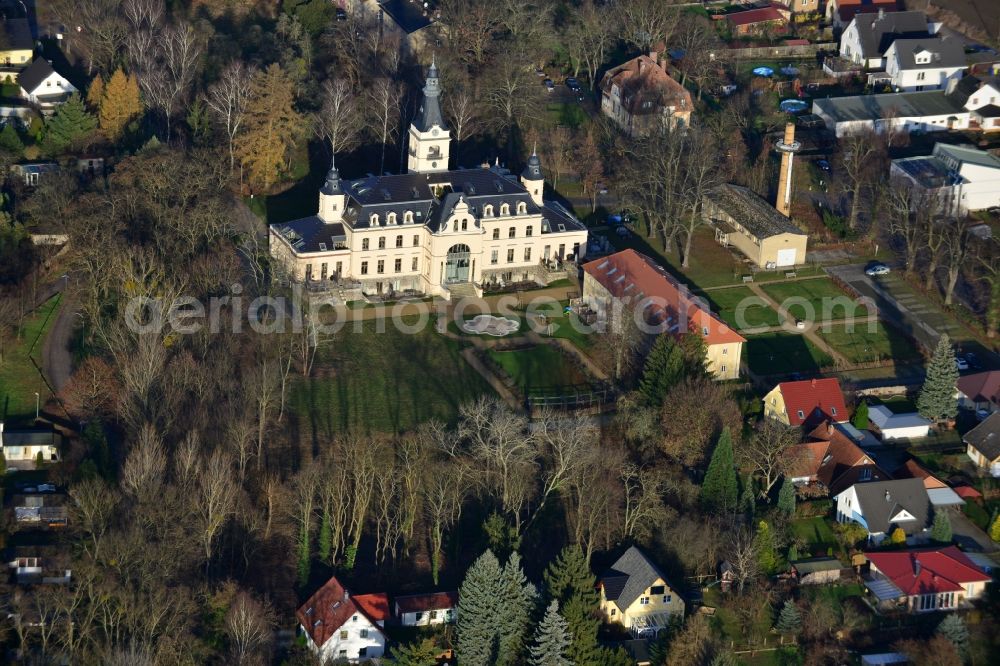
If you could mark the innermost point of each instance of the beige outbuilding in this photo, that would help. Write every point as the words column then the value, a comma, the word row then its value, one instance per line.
column 747, row 222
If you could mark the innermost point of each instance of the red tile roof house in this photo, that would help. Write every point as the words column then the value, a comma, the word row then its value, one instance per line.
column 772, row 19
column 421, row 610
column 829, row 462
column 639, row 95
column 924, row 579
column 635, row 280
column 341, row 625
column 806, row 403
column 980, row 391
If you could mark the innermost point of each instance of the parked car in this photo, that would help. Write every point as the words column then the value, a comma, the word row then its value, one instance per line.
column 961, row 363
column 824, row 165
column 573, row 84
column 877, row 269
column 549, row 85
column 540, row 73
column 982, row 414
column 602, row 188
column 972, row 360
column 341, row 14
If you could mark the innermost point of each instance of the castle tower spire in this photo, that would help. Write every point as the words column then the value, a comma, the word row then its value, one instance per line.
column 429, row 136
column 533, row 179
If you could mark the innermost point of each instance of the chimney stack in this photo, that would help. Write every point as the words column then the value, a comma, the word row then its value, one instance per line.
column 787, row 148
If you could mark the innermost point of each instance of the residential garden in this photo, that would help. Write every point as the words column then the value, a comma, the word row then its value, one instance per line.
column 20, row 378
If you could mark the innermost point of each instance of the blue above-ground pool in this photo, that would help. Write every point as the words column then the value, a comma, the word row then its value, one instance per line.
column 763, row 71
column 793, row 106
column 788, row 70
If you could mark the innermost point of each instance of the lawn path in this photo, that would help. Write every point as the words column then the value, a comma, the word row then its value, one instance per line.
column 839, row 359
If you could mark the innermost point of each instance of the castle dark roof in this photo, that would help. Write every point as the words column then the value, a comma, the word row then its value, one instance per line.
column 533, row 169
column 311, row 234
column 430, row 110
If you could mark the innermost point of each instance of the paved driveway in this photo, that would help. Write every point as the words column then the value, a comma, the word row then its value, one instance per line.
column 967, row 535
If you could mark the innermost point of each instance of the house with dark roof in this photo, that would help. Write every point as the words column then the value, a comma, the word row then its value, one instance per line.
column 980, row 96
column 638, row 596
column 665, row 306
column 829, row 462
column 22, row 447
column 924, row 111
column 640, row 96
column 868, row 36
column 816, row 570
column 928, row 63
column 807, row 402
column 42, row 85
column 980, row 392
column 432, row 230
column 16, row 43
column 421, row 610
column 982, row 444
column 921, row 580
column 840, row 13
column 882, row 506
column 345, row 626
column 746, row 221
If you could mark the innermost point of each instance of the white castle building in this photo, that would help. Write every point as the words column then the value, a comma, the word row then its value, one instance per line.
column 431, row 231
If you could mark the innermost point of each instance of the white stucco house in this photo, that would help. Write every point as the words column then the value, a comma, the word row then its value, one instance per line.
column 22, row 446
column 882, row 506
column 42, row 85
column 339, row 625
column 422, row 610
column 924, row 64
column 867, row 37
column 964, row 177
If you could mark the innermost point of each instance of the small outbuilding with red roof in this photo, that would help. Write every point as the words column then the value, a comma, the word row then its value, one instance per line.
column 341, row 625
column 663, row 305
column 921, row 580
column 806, row 403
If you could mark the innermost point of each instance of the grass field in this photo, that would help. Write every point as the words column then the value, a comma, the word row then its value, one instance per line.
column 383, row 382
column 823, row 300
column 19, row 379
column 725, row 303
column 862, row 345
column 539, row 367
column 814, row 531
column 567, row 325
column 783, row 353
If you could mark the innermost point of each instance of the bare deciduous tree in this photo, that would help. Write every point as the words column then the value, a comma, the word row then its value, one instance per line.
column 250, row 629
column 228, row 99
column 765, row 451
column 214, row 499
column 339, row 121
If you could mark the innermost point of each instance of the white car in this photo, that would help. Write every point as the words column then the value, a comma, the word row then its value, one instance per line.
column 961, row 363
column 877, row 269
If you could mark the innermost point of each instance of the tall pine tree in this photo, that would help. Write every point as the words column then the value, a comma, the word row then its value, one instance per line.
column 941, row 528
column 551, row 640
column 664, row 367
column 789, row 619
column 569, row 581
column 478, row 610
column 786, row 497
column 68, row 127
column 936, row 401
column 517, row 603
column 720, row 487
column 120, row 104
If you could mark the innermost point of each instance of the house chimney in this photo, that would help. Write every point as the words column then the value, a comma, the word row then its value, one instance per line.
column 829, row 427
column 916, row 567
column 813, row 383
column 888, row 497
column 881, row 13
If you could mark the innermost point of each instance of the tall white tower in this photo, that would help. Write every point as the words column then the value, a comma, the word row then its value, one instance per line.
column 787, row 149
column 332, row 199
column 532, row 178
column 429, row 136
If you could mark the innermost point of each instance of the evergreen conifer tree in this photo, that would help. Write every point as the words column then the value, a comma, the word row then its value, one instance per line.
column 941, row 528
column 767, row 555
column 995, row 528
column 478, row 610
column 789, row 619
column 860, row 418
column 748, row 500
column 10, row 140
column 953, row 628
column 936, row 401
column 569, row 581
column 786, row 497
column 421, row 653
column 720, row 487
column 551, row 640
column 69, row 125
column 664, row 367
column 517, row 603
column 120, row 104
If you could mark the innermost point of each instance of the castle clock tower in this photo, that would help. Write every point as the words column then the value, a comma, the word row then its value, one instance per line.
column 429, row 136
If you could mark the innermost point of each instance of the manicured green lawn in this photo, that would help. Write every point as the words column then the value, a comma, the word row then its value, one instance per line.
column 815, row 531
column 756, row 313
column 863, row 345
column 783, row 353
column 539, row 367
column 19, row 378
column 568, row 326
column 823, row 300
column 382, row 382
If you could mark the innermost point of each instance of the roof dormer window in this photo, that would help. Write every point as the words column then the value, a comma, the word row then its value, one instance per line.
column 522, row 208
column 505, row 209
column 373, row 219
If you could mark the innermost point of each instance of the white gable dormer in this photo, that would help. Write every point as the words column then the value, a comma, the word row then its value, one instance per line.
column 902, row 516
